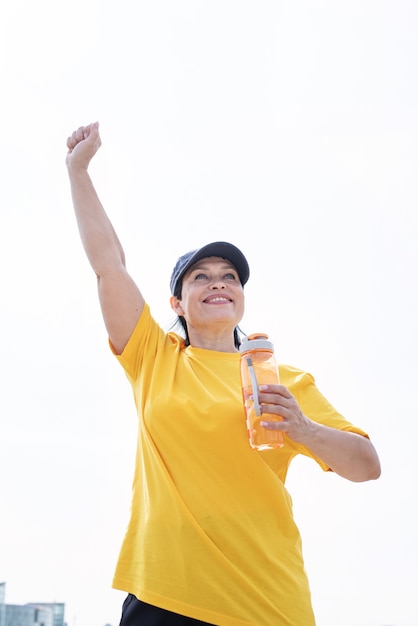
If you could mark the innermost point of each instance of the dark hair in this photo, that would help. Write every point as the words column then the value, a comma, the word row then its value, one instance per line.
column 181, row 322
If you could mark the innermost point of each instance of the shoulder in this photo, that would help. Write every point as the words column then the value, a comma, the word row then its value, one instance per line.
column 294, row 378
column 147, row 342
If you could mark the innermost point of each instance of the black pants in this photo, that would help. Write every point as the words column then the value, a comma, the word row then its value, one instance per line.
column 138, row 613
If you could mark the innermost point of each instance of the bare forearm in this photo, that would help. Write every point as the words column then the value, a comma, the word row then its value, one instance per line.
column 351, row 455
column 98, row 236
column 348, row 454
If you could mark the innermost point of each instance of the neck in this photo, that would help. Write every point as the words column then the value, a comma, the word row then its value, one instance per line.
column 222, row 342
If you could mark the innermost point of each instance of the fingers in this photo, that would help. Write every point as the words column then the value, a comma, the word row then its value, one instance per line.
column 275, row 394
column 277, row 403
column 82, row 133
column 277, row 400
column 274, row 425
column 278, row 412
column 77, row 136
column 276, row 389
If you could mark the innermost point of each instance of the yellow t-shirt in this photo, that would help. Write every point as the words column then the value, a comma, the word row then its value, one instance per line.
column 211, row 534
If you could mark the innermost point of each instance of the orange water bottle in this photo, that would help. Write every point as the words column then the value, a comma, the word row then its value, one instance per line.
column 259, row 367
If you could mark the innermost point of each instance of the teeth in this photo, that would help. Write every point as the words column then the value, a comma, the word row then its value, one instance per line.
column 218, row 300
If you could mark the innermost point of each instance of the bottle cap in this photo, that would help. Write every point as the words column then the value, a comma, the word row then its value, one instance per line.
column 256, row 341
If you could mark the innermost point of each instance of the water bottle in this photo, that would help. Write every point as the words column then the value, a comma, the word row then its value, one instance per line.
column 259, row 367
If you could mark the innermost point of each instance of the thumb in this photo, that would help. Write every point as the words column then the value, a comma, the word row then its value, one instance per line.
column 91, row 130
column 92, row 135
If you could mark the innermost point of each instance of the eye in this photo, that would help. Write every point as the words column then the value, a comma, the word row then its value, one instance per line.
column 230, row 276
column 200, row 276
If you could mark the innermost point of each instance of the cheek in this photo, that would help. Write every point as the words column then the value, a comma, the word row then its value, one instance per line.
column 241, row 307
column 241, row 299
column 185, row 306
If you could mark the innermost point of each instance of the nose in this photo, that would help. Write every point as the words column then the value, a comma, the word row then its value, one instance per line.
column 218, row 284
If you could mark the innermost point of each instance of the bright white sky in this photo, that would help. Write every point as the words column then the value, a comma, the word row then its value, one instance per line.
column 288, row 128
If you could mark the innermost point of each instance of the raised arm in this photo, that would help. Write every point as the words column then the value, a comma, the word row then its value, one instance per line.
column 120, row 299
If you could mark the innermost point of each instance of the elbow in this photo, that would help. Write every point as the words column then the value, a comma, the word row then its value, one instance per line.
column 374, row 467
column 370, row 464
column 365, row 465
column 371, row 469
column 375, row 471
column 372, row 473
column 363, row 475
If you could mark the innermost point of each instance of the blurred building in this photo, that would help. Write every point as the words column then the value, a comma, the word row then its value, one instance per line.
column 31, row 614
column 2, row 604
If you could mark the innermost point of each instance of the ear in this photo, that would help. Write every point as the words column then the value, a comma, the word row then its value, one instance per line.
column 176, row 305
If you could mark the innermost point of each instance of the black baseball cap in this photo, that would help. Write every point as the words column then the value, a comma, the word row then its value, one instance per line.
column 221, row 249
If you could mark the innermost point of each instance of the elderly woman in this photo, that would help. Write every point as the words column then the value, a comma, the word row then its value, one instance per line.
column 211, row 538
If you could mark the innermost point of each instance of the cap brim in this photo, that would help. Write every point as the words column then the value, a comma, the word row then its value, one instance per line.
column 225, row 251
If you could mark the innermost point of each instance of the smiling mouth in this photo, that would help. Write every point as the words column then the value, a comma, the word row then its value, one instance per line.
column 218, row 300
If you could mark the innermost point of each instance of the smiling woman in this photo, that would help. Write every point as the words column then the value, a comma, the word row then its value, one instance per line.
column 192, row 261
column 209, row 300
column 207, row 510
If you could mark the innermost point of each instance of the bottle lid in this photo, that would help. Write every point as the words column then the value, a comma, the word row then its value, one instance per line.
column 256, row 341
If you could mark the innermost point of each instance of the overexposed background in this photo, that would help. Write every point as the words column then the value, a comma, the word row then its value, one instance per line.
column 287, row 128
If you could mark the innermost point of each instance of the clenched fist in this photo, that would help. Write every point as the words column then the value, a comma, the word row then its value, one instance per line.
column 82, row 146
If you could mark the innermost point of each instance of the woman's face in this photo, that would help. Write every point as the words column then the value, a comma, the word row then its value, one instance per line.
column 212, row 295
